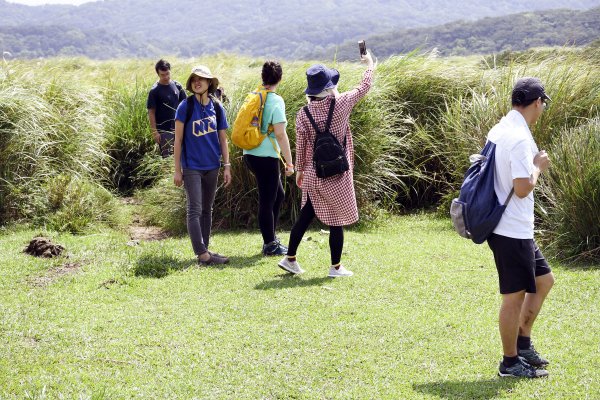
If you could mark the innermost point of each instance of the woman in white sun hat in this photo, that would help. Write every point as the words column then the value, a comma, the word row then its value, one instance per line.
column 200, row 148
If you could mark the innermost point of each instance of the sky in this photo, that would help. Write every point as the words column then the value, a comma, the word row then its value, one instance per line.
column 40, row 2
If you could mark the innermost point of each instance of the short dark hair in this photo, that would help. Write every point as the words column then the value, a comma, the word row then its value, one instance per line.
column 271, row 72
column 162, row 65
column 517, row 101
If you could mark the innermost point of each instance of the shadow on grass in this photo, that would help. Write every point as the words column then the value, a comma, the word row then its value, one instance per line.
column 485, row 389
column 240, row 262
column 581, row 265
column 159, row 266
column 286, row 281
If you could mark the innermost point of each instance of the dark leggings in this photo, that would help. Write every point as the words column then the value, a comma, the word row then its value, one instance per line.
column 270, row 193
column 336, row 234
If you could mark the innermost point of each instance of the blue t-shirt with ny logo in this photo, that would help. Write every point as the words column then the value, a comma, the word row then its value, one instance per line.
column 202, row 149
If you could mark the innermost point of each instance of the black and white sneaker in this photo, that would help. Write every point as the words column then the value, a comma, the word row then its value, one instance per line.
column 520, row 370
column 275, row 248
column 533, row 357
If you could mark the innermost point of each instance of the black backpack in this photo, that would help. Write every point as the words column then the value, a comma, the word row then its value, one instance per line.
column 329, row 157
column 188, row 116
column 178, row 85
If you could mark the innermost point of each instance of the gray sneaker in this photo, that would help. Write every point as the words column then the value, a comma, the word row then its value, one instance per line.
column 341, row 271
column 533, row 357
column 521, row 370
column 290, row 266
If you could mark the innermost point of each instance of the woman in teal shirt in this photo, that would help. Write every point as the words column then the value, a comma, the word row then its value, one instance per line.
column 263, row 160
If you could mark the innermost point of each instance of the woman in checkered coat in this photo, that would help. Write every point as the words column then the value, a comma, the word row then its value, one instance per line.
column 332, row 200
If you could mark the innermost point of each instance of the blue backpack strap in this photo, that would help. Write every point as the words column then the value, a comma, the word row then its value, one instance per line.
column 510, row 195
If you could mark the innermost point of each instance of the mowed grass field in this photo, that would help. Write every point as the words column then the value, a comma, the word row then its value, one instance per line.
column 417, row 321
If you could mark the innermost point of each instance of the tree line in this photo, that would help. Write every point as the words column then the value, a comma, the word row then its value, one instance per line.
column 488, row 35
column 515, row 32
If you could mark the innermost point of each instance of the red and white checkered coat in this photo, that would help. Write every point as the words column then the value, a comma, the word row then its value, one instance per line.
column 333, row 198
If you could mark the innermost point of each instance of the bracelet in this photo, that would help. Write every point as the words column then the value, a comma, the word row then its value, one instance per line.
column 227, row 165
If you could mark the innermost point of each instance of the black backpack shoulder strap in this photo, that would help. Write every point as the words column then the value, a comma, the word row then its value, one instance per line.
column 311, row 119
column 217, row 106
column 330, row 115
column 189, row 110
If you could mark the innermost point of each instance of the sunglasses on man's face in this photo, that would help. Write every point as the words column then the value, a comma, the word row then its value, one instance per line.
column 544, row 103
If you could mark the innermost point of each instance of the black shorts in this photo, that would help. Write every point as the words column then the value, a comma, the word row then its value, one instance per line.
column 518, row 262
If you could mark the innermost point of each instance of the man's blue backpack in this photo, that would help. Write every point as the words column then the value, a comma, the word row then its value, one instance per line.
column 477, row 211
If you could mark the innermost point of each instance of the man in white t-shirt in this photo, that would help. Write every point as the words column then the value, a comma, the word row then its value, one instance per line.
column 524, row 275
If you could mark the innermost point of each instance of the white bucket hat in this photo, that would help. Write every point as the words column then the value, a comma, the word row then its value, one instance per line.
column 203, row 72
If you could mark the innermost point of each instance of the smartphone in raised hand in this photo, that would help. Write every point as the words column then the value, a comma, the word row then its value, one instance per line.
column 362, row 48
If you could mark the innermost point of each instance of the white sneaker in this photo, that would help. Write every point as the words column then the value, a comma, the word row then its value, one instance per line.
column 341, row 271
column 290, row 266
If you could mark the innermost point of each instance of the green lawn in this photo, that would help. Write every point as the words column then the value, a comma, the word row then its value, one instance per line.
column 417, row 321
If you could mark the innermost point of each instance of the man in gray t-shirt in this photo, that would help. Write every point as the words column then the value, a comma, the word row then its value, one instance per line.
column 163, row 99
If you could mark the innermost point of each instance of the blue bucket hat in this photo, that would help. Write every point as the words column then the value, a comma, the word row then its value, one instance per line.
column 319, row 78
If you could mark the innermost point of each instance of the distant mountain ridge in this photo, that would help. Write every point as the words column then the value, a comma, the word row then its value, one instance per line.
column 280, row 28
column 514, row 32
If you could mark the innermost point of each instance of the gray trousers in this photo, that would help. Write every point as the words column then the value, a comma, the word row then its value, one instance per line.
column 200, row 188
column 167, row 139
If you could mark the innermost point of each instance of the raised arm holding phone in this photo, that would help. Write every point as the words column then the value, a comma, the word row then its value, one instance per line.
column 325, row 161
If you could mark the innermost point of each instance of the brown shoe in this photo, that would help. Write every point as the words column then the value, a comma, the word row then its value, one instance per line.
column 214, row 260
column 218, row 255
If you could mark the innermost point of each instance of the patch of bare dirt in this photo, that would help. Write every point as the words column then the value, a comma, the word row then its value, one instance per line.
column 31, row 341
column 148, row 233
column 130, row 201
column 54, row 274
column 138, row 230
column 107, row 284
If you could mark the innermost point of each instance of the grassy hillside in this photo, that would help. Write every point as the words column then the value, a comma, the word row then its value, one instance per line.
column 514, row 32
column 282, row 28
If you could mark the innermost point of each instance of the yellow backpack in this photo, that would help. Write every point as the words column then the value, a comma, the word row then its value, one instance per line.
column 247, row 126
